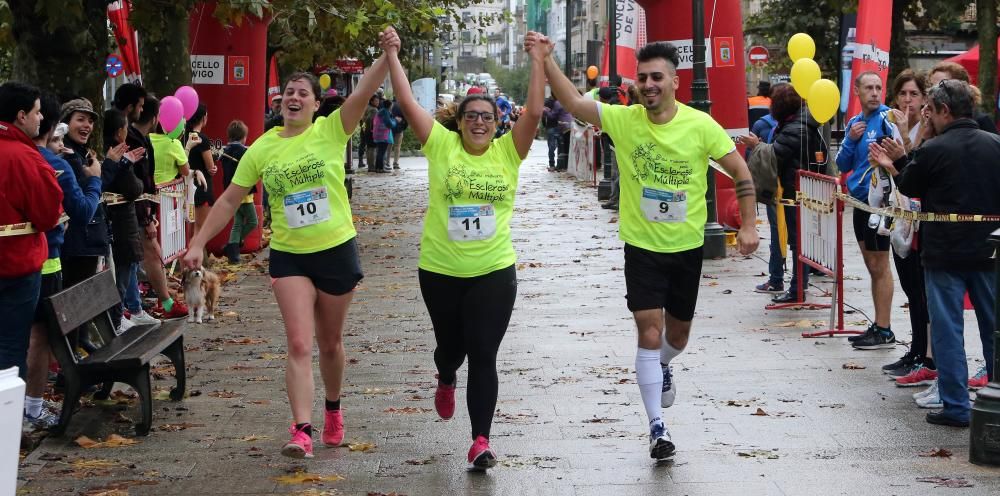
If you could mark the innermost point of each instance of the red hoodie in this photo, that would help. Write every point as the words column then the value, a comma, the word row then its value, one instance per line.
column 29, row 192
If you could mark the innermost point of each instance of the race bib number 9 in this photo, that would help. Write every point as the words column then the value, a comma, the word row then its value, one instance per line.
column 664, row 206
column 306, row 208
column 471, row 222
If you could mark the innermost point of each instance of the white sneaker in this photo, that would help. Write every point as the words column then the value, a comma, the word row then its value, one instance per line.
column 929, row 391
column 932, row 400
column 125, row 325
column 660, row 445
column 669, row 392
column 143, row 318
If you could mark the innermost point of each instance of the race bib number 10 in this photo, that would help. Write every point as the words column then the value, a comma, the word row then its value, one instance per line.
column 306, row 208
column 471, row 222
column 664, row 206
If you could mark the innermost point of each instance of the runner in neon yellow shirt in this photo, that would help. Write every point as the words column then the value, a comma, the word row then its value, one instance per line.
column 467, row 275
column 314, row 262
column 663, row 148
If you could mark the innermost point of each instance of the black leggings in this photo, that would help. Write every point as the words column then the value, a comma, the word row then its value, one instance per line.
column 470, row 317
column 911, row 279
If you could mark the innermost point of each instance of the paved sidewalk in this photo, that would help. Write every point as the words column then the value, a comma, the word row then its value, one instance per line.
column 569, row 419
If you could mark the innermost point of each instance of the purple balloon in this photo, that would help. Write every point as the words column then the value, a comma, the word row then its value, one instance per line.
column 171, row 112
column 189, row 98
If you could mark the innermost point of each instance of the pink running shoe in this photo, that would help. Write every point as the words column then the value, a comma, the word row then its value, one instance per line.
column 333, row 428
column 444, row 400
column 300, row 446
column 919, row 377
column 481, row 456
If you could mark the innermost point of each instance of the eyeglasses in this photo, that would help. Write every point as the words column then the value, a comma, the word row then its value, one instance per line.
column 471, row 116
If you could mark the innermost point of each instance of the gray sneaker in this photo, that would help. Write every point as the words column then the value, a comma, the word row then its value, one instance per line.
column 45, row 420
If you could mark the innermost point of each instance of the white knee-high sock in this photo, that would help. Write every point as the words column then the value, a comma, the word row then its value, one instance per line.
column 667, row 352
column 649, row 375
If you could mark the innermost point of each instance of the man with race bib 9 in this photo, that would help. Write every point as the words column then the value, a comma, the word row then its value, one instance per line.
column 466, row 269
column 663, row 148
column 314, row 263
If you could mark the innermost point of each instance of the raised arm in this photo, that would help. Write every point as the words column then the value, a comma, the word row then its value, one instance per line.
column 583, row 108
column 420, row 121
column 354, row 107
column 527, row 124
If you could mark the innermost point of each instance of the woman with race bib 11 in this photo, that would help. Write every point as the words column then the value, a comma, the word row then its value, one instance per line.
column 466, row 269
column 314, row 263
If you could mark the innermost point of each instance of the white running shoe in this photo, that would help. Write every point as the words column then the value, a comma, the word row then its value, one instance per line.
column 660, row 445
column 125, row 325
column 669, row 392
column 927, row 392
column 932, row 400
column 143, row 318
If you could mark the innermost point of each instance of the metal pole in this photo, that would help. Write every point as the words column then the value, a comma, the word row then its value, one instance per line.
column 715, row 237
column 984, row 434
column 569, row 38
column 604, row 188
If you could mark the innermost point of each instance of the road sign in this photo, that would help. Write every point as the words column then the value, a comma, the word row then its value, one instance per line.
column 758, row 55
column 113, row 65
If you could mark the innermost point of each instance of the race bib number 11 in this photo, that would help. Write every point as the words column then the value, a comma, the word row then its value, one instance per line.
column 664, row 206
column 306, row 208
column 471, row 222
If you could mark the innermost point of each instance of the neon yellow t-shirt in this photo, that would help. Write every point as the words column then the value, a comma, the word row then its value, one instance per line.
column 467, row 225
column 663, row 172
column 168, row 157
column 304, row 177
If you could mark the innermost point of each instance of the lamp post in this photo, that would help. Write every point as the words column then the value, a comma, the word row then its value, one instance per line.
column 568, row 69
column 604, row 188
column 984, row 435
column 715, row 238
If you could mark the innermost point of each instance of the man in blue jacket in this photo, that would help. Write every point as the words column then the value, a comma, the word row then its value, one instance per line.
column 866, row 128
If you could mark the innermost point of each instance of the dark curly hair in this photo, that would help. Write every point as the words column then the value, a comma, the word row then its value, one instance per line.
column 659, row 50
column 449, row 115
column 785, row 102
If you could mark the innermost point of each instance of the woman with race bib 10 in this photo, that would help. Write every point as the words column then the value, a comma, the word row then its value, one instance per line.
column 314, row 263
column 466, row 269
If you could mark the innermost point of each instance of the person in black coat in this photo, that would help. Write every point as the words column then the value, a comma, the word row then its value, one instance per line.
column 797, row 145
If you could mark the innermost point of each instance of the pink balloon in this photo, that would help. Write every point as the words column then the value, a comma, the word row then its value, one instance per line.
column 171, row 112
column 189, row 98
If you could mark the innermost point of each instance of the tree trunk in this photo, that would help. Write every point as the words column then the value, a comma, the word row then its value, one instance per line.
column 68, row 61
column 899, row 48
column 164, row 46
column 986, row 23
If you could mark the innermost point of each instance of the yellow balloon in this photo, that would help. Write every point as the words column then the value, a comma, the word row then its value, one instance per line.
column 592, row 72
column 801, row 46
column 824, row 100
column 805, row 72
column 324, row 81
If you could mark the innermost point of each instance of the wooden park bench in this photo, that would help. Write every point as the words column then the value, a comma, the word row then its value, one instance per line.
column 123, row 358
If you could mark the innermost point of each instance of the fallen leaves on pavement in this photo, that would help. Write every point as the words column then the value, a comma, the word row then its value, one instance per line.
column 597, row 420
column 254, row 437
column 759, row 413
column 936, row 452
column 420, row 462
column 853, row 366
column 758, row 453
column 306, row 478
column 224, row 394
column 946, row 482
column 113, row 441
column 177, row 427
column 406, row 410
column 362, row 447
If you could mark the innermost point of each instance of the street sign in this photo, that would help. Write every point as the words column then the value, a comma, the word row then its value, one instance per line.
column 113, row 65
column 758, row 55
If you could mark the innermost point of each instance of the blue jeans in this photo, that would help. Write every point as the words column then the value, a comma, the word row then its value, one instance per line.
column 552, row 136
column 945, row 291
column 775, row 263
column 130, row 293
column 791, row 214
column 18, row 299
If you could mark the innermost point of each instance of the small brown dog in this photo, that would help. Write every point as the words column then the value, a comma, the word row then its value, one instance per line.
column 201, row 292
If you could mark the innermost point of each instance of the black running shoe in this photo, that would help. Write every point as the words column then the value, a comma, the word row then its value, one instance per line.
column 906, row 363
column 660, row 445
column 878, row 340
column 867, row 333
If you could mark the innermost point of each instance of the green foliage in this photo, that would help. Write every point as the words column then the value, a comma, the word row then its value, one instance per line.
column 512, row 82
column 778, row 20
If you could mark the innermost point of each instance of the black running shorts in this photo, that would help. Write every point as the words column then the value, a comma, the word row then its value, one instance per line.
column 866, row 236
column 334, row 271
column 663, row 280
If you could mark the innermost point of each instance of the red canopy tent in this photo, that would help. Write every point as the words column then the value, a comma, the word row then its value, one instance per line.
column 970, row 60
